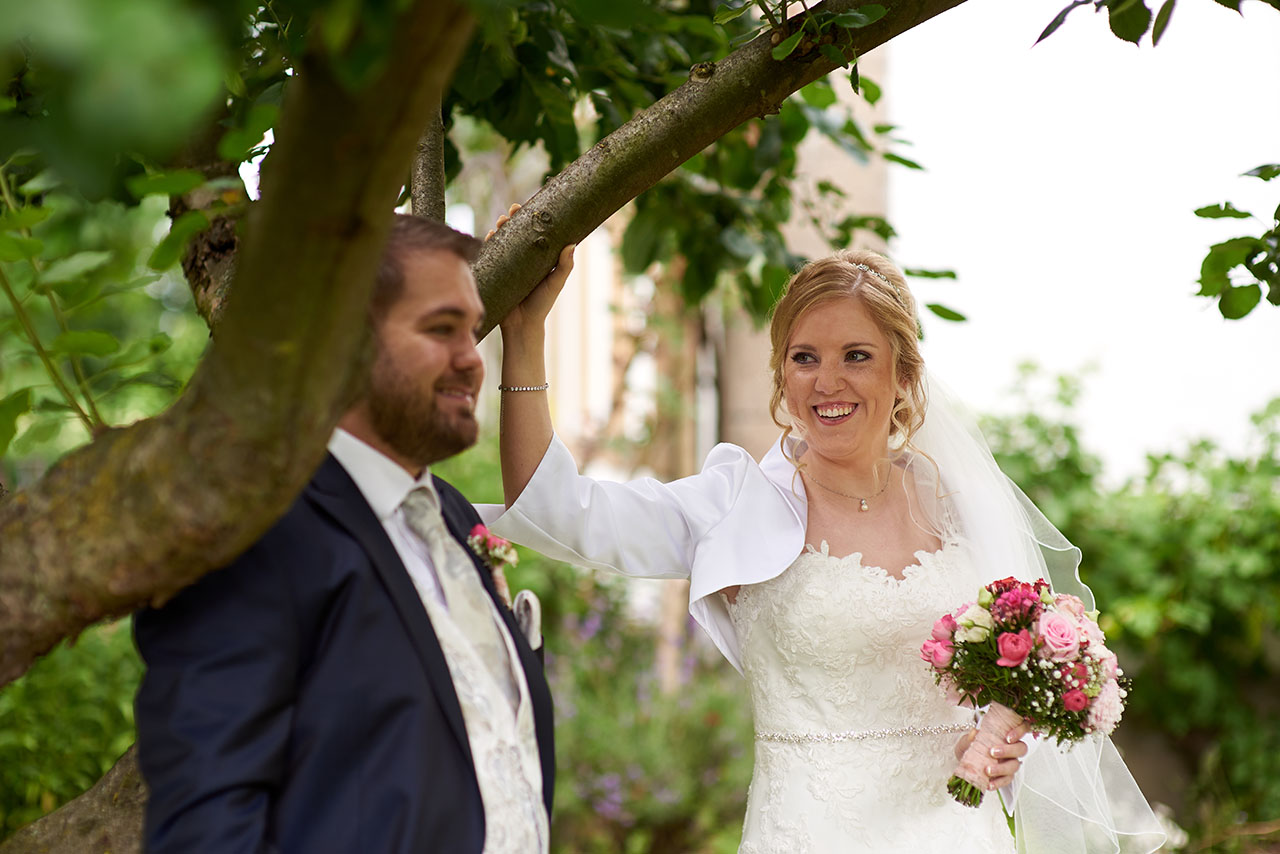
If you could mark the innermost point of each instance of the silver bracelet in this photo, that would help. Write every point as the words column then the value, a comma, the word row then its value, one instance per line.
column 542, row 387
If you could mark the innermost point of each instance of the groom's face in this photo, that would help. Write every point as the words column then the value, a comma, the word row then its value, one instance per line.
column 427, row 372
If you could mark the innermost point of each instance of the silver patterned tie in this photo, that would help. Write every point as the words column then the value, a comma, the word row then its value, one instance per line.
column 469, row 604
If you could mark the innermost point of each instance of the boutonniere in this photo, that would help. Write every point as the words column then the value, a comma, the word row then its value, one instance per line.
column 498, row 554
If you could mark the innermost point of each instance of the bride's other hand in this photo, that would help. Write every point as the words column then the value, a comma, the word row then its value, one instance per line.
column 532, row 311
column 1005, row 760
column 503, row 219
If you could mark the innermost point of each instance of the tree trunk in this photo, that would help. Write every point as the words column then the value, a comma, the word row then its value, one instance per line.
column 672, row 449
column 716, row 98
column 145, row 510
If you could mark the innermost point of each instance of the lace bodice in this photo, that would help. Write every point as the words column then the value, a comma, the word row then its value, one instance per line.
column 831, row 653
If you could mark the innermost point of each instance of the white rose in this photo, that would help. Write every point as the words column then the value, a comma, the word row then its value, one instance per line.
column 974, row 625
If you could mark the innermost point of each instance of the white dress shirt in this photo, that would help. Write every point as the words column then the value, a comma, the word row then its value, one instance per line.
column 384, row 485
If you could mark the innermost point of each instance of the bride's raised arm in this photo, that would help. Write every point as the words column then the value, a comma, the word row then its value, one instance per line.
column 526, row 429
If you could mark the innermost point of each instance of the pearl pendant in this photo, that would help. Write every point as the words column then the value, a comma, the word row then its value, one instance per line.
column 864, row 507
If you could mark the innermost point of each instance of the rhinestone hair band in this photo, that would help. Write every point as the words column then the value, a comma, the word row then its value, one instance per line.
column 882, row 277
column 858, row 735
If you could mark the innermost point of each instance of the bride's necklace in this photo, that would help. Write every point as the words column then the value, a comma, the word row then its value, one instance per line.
column 862, row 502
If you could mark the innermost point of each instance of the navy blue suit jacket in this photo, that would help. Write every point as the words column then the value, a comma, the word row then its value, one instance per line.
column 297, row 701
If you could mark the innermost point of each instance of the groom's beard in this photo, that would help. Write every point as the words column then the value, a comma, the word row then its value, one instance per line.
column 404, row 414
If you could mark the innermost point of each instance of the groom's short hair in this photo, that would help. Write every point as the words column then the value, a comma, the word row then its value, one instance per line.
column 411, row 234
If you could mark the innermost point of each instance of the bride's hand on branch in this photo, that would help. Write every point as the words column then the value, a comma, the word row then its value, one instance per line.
column 532, row 311
column 1005, row 759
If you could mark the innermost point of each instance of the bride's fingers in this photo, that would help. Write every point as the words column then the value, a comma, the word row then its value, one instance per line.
column 963, row 744
column 503, row 219
column 1018, row 733
column 1001, row 773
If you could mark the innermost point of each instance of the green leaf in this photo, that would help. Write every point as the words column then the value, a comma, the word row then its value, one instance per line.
column 1224, row 210
column 13, row 406
column 642, row 240
column 1162, row 21
column 1058, row 19
column 18, row 248
column 785, row 48
column 39, row 432
column 870, row 90
column 42, row 183
column 1129, row 19
column 819, row 93
column 23, row 218
column 833, row 54
column 910, row 164
column 73, row 267
column 85, row 342
column 727, row 13
column 1266, row 172
column 173, row 183
column 944, row 312
column 919, row 273
column 169, row 250
column 1235, row 303
column 860, row 17
column 234, row 82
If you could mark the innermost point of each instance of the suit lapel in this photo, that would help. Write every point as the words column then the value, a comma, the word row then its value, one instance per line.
column 334, row 491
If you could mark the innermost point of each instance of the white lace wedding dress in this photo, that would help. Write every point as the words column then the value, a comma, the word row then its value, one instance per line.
column 854, row 741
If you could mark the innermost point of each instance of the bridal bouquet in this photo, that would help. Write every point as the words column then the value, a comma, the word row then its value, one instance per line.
column 1030, row 653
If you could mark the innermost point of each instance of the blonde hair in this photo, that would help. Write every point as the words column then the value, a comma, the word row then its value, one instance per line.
column 880, row 286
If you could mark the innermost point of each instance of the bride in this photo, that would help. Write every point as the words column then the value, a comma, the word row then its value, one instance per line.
column 819, row 571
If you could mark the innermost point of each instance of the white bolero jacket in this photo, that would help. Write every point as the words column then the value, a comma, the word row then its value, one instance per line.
column 735, row 522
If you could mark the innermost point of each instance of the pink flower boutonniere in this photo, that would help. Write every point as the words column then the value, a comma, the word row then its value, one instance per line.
column 498, row 554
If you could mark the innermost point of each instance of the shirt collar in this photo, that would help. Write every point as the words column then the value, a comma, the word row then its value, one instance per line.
column 381, row 480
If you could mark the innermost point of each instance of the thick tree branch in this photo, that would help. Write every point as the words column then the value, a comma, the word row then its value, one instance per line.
column 717, row 98
column 426, row 183
column 143, row 511
column 107, row 818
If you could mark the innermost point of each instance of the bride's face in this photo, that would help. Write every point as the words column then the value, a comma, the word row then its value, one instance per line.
column 838, row 380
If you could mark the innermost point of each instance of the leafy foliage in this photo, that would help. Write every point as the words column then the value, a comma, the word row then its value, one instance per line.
column 1254, row 260
column 87, row 335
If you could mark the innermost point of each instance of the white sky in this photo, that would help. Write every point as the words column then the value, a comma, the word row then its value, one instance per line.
column 1060, row 186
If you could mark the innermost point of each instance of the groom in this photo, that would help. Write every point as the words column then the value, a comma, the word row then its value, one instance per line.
column 352, row 683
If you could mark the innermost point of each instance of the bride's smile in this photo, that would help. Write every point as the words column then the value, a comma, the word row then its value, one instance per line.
column 839, row 382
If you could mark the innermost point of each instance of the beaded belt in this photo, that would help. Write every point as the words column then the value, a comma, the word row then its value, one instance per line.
column 858, row 735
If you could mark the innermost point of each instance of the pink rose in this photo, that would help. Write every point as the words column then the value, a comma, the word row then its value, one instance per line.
column 479, row 530
column 1060, row 635
column 937, row 652
column 944, row 628
column 1071, row 604
column 1014, row 648
column 1075, row 700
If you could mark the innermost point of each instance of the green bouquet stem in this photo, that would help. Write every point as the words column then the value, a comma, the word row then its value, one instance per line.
column 964, row 792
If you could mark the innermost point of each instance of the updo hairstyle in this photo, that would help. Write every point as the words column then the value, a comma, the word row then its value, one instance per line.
column 893, row 309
